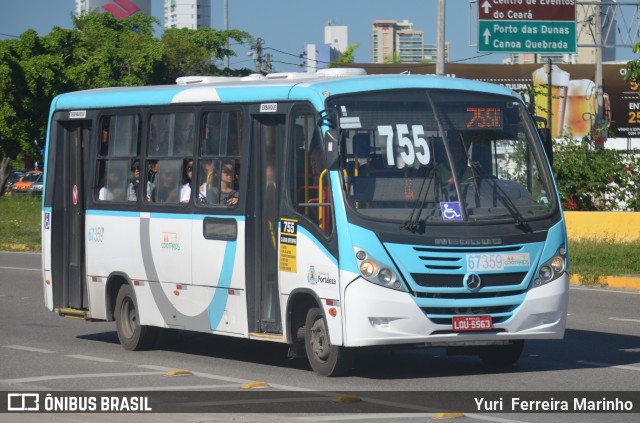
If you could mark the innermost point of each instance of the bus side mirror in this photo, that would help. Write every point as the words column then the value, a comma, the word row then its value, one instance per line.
column 547, row 143
column 545, row 135
column 331, row 149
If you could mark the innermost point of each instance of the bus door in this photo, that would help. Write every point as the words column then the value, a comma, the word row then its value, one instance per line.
column 262, row 224
column 65, row 195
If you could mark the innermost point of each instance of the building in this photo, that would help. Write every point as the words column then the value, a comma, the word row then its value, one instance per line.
column 118, row 8
column 318, row 56
column 393, row 41
column 585, row 31
column 191, row 14
column 337, row 37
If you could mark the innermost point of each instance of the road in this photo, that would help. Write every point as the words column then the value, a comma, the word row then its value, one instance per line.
column 40, row 351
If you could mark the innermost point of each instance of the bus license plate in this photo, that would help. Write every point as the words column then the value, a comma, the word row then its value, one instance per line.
column 467, row 323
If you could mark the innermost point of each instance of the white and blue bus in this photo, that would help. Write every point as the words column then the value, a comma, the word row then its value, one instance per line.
column 329, row 211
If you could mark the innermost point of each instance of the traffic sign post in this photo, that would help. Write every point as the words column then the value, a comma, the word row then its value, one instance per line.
column 527, row 26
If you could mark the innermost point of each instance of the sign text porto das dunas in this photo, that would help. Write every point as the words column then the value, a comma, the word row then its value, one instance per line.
column 527, row 26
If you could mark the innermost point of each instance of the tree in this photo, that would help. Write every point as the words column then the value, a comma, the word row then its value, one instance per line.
column 347, row 56
column 632, row 73
column 100, row 51
column 31, row 74
column 194, row 52
column 114, row 52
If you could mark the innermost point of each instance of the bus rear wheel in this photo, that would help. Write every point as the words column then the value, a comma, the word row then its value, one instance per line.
column 501, row 355
column 132, row 335
column 325, row 359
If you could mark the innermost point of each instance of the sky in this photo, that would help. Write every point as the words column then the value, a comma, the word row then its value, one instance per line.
column 287, row 25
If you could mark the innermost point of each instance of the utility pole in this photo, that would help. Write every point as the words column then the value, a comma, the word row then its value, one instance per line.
column 440, row 47
column 257, row 54
column 598, row 76
column 267, row 63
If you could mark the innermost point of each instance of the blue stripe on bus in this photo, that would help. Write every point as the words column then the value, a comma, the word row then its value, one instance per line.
column 221, row 296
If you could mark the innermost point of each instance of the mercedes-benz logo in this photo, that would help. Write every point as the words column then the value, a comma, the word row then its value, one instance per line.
column 472, row 281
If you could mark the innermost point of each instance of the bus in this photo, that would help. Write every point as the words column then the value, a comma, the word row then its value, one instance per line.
column 329, row 211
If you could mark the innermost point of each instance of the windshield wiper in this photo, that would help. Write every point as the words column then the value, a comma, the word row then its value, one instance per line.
column 413, row 222
column 503, row 196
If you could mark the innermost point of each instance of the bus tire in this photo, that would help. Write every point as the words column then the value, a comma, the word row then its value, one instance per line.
column 132, row 335
column 325, row 359
column 501, row 355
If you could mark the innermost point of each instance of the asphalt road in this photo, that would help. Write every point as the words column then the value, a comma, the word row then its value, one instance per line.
column 40, row 351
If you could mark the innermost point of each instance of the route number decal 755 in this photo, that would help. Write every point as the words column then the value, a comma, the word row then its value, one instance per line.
column 410, row 148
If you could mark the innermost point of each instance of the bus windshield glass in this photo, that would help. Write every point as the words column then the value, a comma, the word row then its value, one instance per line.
column 428, row 156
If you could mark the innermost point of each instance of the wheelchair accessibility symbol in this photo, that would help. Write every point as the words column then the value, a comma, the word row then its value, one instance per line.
column 451, row 211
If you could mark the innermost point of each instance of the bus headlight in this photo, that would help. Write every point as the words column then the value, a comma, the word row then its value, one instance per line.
column 551, row 269
column 367, row 268
column 376, row 272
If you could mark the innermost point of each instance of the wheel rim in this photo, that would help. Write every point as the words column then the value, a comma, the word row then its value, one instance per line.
column 128, row 314
column 319, row 342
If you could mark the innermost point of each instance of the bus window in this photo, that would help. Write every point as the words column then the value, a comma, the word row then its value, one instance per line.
column 117, row 157
column 218, row 169
column 171, row 134
column 170, row 149
column 309, row 186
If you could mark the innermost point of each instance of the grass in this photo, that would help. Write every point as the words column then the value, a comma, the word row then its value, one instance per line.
column 598, row 257
column 20, row 223
column 20, row 218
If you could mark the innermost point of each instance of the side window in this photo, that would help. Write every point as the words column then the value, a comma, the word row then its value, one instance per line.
column 218, row 170
column 169, row 163
column 118, row 163
column 309, row 184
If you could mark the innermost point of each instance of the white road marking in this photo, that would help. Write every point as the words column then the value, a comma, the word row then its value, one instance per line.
column 91, row 358
column 30, row 349
column 615, row 366
column 619, row 319
column 77, row 376
column 608, row 290
column 21, row 268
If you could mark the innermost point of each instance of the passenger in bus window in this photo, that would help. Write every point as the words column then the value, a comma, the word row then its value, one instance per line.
column 227, row 193
column 113, row 189
column 134, row 181
column 167, row 186
column 152, row 171
column 185, row 188
column 207, row 180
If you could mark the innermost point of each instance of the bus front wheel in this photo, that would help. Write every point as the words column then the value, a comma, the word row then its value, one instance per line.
column 325, row 359
column 501, row 355
column 132, row 335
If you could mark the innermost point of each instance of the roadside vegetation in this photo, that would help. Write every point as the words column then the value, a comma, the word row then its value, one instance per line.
column 20, row 223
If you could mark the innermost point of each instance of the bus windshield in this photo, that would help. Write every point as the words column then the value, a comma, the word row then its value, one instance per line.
column 431, row 156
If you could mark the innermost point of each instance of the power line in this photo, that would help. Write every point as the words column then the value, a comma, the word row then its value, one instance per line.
column 296, row 55
column 470, row 58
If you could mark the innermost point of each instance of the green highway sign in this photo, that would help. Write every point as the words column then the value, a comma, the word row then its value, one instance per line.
column 527, row 37
column 527, row 26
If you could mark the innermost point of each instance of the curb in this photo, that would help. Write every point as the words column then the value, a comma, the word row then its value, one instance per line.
column 623, row 282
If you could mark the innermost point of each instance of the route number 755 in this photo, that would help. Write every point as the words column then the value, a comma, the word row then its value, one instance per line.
column 411, row 148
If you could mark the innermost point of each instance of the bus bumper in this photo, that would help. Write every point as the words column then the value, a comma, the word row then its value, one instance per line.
column 380, row 316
